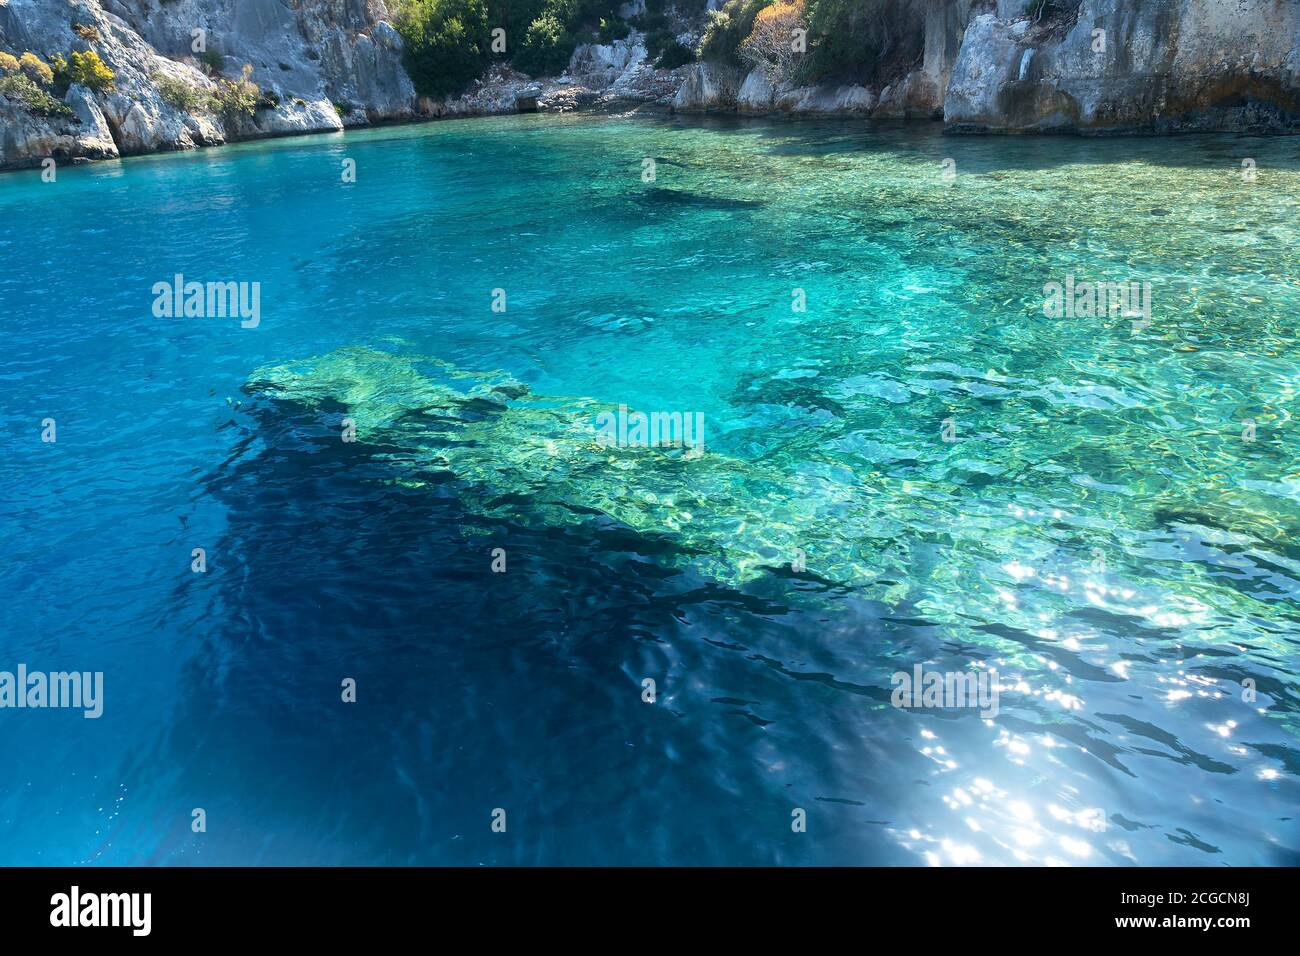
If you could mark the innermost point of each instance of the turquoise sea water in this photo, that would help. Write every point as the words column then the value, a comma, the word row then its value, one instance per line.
column 1112, row 528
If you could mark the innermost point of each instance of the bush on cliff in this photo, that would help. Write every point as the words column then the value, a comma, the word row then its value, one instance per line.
column 864, row 40
column 612, row 29
column 859, row 40
column 19, row 88
column 546, row 48
column 36, row 69
column 89, row 70
column 446, row 43
column 235, row 99
column 84, row 68
column 770, row 46
column 212, row 61
column 728, row 28
column 24, row 80
column 551, row 37
column 180, row 94
column 664, row 51
column 513, row 16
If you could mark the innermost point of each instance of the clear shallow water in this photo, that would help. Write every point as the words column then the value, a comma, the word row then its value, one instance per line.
column 1099, row 533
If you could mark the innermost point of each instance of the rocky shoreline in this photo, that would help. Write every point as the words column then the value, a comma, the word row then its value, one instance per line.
column 1109, row 67
column 316, row 69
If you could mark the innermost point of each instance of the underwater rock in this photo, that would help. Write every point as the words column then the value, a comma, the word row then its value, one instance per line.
column 948, row 547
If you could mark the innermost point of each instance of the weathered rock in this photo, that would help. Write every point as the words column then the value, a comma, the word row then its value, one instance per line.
column 94, row 138
column 1123, row 66
column 307, row 54
column 827, row 100
column 708, row 86
column 916, row 96
column 603, row 63
column 1109, row 66
column 26, row 139
column 756, row 94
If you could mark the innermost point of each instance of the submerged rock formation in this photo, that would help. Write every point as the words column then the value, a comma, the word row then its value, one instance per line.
column 536, row 460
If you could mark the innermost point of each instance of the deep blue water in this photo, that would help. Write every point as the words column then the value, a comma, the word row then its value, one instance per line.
column 1100, row 532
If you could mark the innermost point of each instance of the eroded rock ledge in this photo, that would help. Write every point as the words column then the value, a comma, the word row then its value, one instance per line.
column 320, row 64
column 1098, row 67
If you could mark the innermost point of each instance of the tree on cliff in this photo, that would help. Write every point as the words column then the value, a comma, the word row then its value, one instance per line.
column 446, row 43
column 777, row 42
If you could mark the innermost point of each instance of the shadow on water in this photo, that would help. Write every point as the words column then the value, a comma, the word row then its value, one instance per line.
column 660, row 198
column 522, row 691
column 478, row 690
column 797, row 136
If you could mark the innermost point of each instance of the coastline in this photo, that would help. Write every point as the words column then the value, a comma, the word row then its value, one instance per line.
column 626, row 106
column 981, row 68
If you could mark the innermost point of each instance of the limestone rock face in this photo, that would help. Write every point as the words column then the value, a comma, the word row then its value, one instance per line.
column 708, row 87
column 1125, row 66
column 916, row 95
column 604, row 64
column 827, row 100
column 1103, row 66
column 308, row 55
column 756, row 94
column 27, row 139
column 94, row 135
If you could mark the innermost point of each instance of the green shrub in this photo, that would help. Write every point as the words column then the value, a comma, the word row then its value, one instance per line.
column 84, row 68
column 652, row 17
column 235, row 99
column 864, row 40
column 612, row 29
column 446, row 43
column 8, row 62
column 578, row 13
column 649, row 22
column 674, row 55
column 727, row 29
column 665, row 52
column 22, row 89
column 212, row 61
column 547, row 47
column 36, row 69
column 179, row 93
column 513, row 16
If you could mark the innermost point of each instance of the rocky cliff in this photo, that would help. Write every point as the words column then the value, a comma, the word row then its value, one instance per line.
column 1119, row 66
column 1086, row 66
column 319, row 65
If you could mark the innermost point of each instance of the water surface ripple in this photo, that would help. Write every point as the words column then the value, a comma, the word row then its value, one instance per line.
column 1099, row 532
